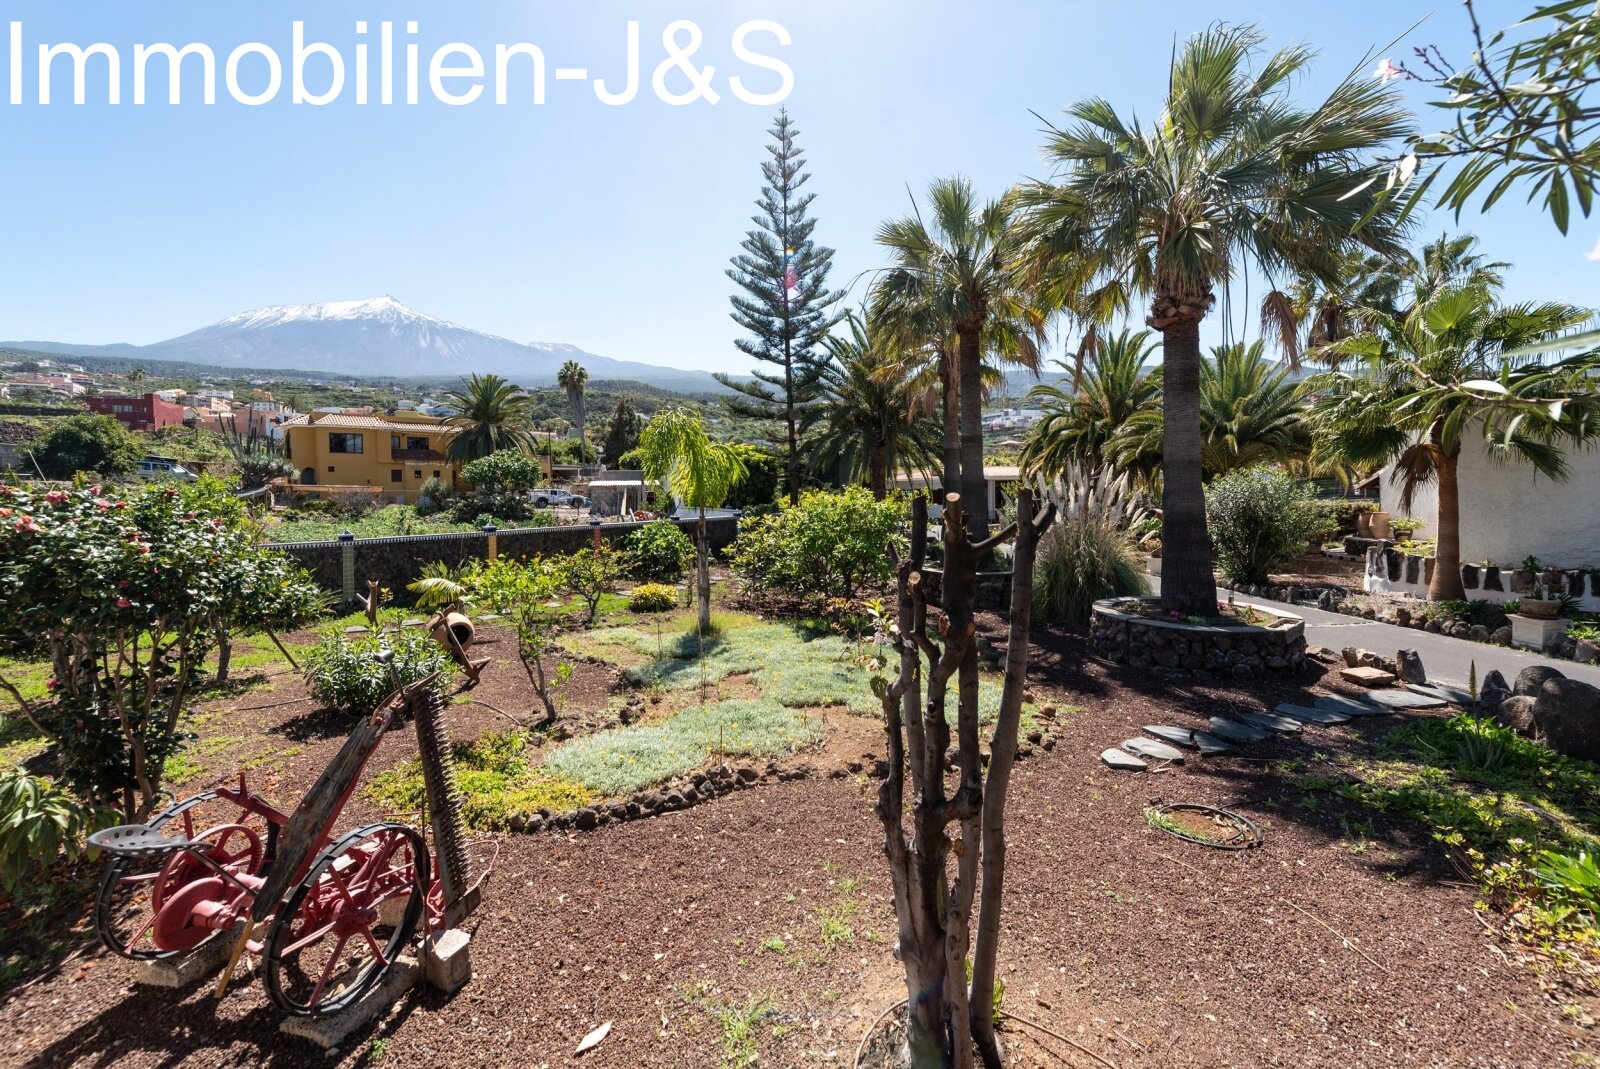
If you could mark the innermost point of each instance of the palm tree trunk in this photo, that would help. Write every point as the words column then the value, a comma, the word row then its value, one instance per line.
column 952, row 426
column 1446, row 583
column 1188, row 585
column 878, row 472
column 703, row 574
column 974, row 490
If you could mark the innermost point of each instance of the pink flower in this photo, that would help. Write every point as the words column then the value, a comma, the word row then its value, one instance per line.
column 51, row 685
column 27, row 523
column 1388, row 71
column 95, row 489
column 123, row 603
column 144, row 547
column 101, row 503
column 55, row 497
column 5, row 514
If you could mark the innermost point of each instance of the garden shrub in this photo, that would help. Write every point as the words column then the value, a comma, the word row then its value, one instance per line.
column 658, row 552
column 1082, row 559
column 38, row 822
column 98, row 445
column 505, row 471
column 343, row 674
column 495, row 779
column 591, row 574
column 828, row 545
column 652, row 597
column 1259, row 521
column 625, row 760
column 125, row 593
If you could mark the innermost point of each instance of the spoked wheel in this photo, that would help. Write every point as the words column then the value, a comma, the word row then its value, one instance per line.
column 348, row 920
column 133, row 888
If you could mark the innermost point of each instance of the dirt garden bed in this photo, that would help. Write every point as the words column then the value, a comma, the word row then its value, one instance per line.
column 757, row 924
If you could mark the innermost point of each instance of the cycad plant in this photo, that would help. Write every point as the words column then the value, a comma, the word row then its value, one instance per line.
column 1233, row 171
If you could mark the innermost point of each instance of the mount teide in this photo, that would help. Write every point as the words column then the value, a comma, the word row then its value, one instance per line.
column 380, row 336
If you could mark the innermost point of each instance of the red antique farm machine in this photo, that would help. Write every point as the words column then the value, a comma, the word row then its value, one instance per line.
column 328, row 914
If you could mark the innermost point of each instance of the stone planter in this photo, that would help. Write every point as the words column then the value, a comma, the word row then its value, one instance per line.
column 1175, row 648
column 1540, row 608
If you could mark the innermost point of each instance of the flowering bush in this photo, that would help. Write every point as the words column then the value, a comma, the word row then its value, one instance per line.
column 126, row 593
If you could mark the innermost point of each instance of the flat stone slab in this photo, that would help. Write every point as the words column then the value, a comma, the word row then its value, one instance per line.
column 1233, row 731
column 1283, row 725
column 1158, row 751
column 331, row 1029
column 184, row 970
column 1181, row 736
column 1366, row 677
column 1125, row 761
column 1454, row 695
column 1405, row 699
column 1310, row 715
column 1335, row 704
column 1210, row 744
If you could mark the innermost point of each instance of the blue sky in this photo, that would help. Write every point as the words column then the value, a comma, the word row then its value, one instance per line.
column 606, row 227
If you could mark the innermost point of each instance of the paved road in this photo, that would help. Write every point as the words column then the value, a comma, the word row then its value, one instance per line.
column 1448, row 660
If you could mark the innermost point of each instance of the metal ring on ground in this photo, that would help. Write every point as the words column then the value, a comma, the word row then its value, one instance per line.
column 1246, row 837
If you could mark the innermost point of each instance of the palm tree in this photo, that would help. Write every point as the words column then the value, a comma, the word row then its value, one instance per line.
column 1078, row 425
column 1315, row 313
column 1250, row 414
column 491, row 414
column 1434, row 376
column 574, row 379
column 675, row 451
column 1232, row 171
column 955, row 275
column 863, row 424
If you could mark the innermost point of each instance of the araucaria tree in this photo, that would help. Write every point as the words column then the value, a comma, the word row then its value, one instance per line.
column 785, row 306
column 1232, row 172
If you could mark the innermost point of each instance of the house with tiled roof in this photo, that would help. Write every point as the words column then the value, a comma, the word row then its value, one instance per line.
column 396, row 453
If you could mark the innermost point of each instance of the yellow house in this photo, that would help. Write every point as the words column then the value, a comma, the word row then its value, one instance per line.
column 396, row 453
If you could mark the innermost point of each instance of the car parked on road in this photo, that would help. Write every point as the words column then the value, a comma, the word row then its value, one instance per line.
column 552, row 497
column 164, row 469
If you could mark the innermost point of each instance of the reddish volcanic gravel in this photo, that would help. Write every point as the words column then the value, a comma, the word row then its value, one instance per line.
column 1149, row 951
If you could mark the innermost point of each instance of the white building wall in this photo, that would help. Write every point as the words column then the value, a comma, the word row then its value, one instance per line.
column 1509, row 511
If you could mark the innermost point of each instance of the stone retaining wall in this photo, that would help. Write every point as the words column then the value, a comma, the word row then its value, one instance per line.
column 396, row 561
column 1179, row 649
column 1389, row 571
column 994, row 589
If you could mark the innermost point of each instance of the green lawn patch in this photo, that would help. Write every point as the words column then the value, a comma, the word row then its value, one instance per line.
column 624, row 760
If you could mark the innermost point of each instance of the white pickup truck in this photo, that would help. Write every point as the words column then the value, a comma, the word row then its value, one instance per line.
column 559, row 498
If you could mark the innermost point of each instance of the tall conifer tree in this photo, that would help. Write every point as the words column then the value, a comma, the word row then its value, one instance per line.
column 785, row 305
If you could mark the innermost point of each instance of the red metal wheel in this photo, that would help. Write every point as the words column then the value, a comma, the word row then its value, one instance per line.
column 348, row 920
column 124, row 904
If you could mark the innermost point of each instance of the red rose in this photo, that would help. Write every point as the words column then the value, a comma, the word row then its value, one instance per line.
column 123, row 603
column 55, row 497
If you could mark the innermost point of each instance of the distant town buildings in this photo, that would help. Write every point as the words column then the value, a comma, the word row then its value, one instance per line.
column 151, row 412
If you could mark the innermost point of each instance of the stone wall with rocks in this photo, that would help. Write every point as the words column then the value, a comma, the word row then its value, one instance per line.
column 994, row 589
column 1389, row 571
column 1179, row 649
column 396, row 561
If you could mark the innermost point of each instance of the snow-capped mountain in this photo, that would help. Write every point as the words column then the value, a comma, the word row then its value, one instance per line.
column 380, row 336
